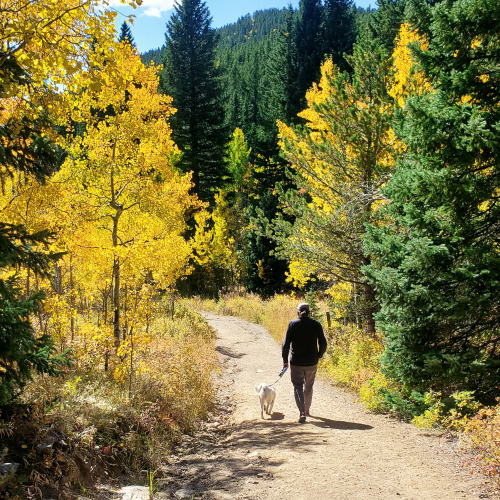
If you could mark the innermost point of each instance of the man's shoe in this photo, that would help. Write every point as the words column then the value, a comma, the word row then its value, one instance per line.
column 302, row 418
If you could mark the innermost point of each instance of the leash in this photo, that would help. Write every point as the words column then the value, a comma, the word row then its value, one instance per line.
column 282, row 372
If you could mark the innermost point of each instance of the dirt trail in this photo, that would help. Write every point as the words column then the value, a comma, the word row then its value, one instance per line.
column 342, row 452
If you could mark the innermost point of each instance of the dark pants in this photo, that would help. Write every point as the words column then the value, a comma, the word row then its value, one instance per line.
column 303, row 381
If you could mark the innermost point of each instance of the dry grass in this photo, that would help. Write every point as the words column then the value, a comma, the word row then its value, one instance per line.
column 274, row 313
column 95, row 426
column 482, row 436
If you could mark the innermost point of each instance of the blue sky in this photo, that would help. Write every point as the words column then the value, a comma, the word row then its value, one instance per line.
column 151, row 18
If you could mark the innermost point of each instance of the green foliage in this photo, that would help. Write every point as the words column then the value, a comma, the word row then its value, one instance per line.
column 312, row 299
column 339, row 30
column 437, row 267
column 155, row 56
column 126, row 34
column 351, row 358
column 372, row 393
column 237, row 158
column 24, row 147
column 21, row 352
column 251, row 28
column 338, row 161
column 403, row 404
column 309, row 45
column 192, row 78
column 266, row 272
column 269, row 61
column 384, row 23
column 451, row 412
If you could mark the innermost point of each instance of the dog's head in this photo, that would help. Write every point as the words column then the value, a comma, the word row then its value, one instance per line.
column 259, row 387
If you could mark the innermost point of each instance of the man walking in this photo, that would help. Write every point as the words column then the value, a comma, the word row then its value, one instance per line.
column 306, row 343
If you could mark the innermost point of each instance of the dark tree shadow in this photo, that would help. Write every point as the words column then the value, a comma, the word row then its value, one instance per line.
column 338, row 424
column 276, row 415
column 225, row 351
column 249, row 438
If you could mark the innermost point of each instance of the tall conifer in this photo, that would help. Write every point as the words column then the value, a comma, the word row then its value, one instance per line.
column 191, row 77
column 309, row 49
column 384, row 23
column 437, row 266
column 126, row 34
column 339, row 31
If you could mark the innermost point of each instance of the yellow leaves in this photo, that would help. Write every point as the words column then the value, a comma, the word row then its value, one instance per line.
column 407, row 81
column 340, row 159
column 341, row 296
column 117, row 198
column 121, row 176
column 214, row 241
column 299, row 273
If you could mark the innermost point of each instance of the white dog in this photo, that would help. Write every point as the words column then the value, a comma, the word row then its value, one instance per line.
column 267, row 395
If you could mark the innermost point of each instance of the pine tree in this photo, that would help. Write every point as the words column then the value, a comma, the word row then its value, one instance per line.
column 126, row 34
column 309, row 44
column 191, row 77
column 437, row 266
column 280, row 72
column 338, row 160
column 26, row 149
column 21, row 351
column 384, row 23
column 339, row 31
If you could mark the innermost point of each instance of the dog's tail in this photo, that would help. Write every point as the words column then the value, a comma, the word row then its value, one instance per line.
column 256, row 387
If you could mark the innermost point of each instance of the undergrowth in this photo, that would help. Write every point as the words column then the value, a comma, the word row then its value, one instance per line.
column 69, row 432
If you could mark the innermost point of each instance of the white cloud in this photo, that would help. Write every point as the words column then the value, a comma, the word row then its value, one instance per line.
column 155, row 8
column 151, row 8
column 153, row 12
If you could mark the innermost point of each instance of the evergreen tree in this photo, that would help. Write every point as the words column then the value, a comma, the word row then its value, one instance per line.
column 155, row 56
column 126, row 34
column 384, row 23
column 338, row 161
column 21, row 351
column 280, row 72
column 192, row 78
column 260, row 79
column 309, row 43
column 24, row 147
column 339, row 31
column 437, row 265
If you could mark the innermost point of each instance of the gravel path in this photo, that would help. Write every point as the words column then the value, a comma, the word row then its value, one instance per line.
column 340, row 453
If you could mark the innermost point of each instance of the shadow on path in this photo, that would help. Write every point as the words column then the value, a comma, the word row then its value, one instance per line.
column 338, row 424
column 241, row 456
column 225, row 351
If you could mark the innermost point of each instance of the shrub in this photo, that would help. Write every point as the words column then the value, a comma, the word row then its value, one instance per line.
column 482, row 435
column 119, row 425
column 352, row 358
column 372, row 391
column 403, row 404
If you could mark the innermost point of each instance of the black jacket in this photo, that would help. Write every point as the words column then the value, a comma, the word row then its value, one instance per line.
column 307, row 341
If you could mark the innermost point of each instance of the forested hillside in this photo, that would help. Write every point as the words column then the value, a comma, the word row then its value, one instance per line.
column 344, row 157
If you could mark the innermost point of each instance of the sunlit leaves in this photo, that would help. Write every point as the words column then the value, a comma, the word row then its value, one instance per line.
column 340, row 161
